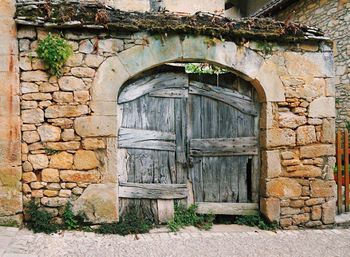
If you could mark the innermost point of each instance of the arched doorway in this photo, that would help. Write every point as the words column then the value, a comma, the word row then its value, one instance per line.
column 186, row 137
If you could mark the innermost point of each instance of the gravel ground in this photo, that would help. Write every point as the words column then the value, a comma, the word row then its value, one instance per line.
column 220, row 242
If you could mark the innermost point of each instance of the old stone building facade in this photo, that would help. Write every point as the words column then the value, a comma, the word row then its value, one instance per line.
column 333, row 17
column 62, row 133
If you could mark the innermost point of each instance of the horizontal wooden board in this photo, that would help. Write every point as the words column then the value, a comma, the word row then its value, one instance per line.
column 146, row 139
column 228, row 208
column 153, row 191
column 151, row 84
column 170, row 93
column 224, row 146
column 234, row 99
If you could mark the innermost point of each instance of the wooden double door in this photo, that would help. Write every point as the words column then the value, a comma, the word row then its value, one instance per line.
column 188, row 139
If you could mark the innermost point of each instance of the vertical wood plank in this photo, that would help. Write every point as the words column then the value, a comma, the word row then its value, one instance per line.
column 181, row 131
column 346, row 169
column 339, row 172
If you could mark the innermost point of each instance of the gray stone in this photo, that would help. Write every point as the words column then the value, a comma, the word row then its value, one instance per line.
column 70, row 83
column 33, row 116
column 323, row 107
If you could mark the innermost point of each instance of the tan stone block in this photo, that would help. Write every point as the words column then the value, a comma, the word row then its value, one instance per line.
column 291, row 120
column 289, row 211
column 77, row 191
column 26, row 32
column 283, row 188
column 34, row 76
column 71, row 185
column 29, row 88
column 25, row 64
column 80, row 176
column 62, row 160
column 53, row 186
column 316, row 213
column 83, row 72
column 85, row 160
column 10, row 151
column 81, row 96
column 319, row 150
column 321, row 188
column 306, row 135
column 95, row 126
column 314, row 201
column 288, row 155
column 29, row 105
column 37, row 193
column 30, row 137
column 10, row 200
column 28, row 177
column 75, row 60
column 322, row 107
column 65, row 193
column 291, row 162
column 10, row 82
column 271, row 164
column 48, row 87
column 37, row 185
column 33, row 116
column 63, row 146
column 301, row 218
column 287, row 222
column 27, row 166
column 54, row 201
column 98, row 203
column 50, row 175
column 93, row 144
column 28, row 127
column 62, row 97
column 328, row 131
column 297, row 203
column 93, row 61
column 39, row 161
column 49, row 133
column 329, row 212
column 61, row 122
column 68, row 135
column 308, row 171
column 70, row 83
column 278, row 137
column 8, row 8
column 270, row 208
column 61, row 111
column 26, row 189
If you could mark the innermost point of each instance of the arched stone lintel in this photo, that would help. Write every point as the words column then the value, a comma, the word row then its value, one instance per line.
column 115, row 71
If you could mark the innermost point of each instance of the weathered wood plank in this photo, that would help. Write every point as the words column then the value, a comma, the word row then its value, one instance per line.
column 228, row 208
column 180, row 130
column 152, row 191
column 170, row 93
column 224, row 146
column 242, row 180
column 234, row 99
column 151, row 84
column 165, row 210
column 146, row 139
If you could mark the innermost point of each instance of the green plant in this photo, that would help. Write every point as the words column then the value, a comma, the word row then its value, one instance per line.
column 265, row 47
column 188, row 217
column 50, row 151
column 54, row 51
column 255, row 221
column 203, row 68
column 70, row 220
column 40, row 220
column 130, row 223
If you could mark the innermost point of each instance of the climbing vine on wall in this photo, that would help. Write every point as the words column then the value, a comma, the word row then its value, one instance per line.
column 54, row 51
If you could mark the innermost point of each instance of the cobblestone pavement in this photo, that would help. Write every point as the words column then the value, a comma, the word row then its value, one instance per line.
column 20, row 243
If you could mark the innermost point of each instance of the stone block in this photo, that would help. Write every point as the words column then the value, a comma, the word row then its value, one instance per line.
column 26, row 32
column 214, row 6
column 63, row 146
column 316, row 212
column 328, row 131
column 278, row 137
column 322, row 107
column 93, row 61
column 110, row 45
column 93, row 144
column 82, row 96
column 70, row 83
column 54, row 201
column 34, row 76
column 319, row 150
column 28, row 177
column 50, row 175
column 13, row 220
column 30, row 137
column 307, row 171
column 283, row 188
column 79, row 176
column 270, row 208
column 98, row 203
column 291, row 120
column 8, row 8
column 61, row 160
column 49, row 133
column 306, row 135
column 64, row 111
column 329, row 212
column 301, row 218
column 62, row 97
column 10, row 200
column 83, row 72
column 95, row 126
column 271, row 164
column 10, row 176
column 85, row 160
column 321, row 188
column 29, row 88
column 38, row 161
column 75, row 60
column 33, row 116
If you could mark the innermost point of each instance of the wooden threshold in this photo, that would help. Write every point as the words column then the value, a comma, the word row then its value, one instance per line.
column 228, row 208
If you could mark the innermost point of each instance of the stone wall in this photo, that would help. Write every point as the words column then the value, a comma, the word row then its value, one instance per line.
column 70, row 124
column 10, row 135
column 333, row 17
